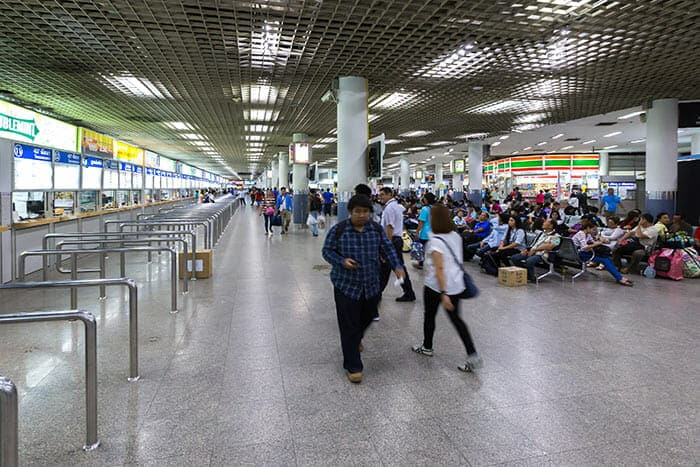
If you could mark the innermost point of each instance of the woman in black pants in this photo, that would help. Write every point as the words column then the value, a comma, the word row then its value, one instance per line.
column 512, row 243
column 444, row 282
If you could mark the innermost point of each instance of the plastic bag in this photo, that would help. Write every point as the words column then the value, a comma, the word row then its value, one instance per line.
column 311, row 220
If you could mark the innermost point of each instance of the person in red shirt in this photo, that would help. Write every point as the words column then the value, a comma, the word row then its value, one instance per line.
column 540, row 198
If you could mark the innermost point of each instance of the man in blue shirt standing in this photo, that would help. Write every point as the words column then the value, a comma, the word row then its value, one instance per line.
column 610, row 202
column 327, row 201
column 284, row 207
column 353, row 248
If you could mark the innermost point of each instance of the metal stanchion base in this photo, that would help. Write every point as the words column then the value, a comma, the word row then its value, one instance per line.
column 193, row 279
column 186, row 293
column 172, row 312
column 91, row 447
column 134, row 379
column 102, row 299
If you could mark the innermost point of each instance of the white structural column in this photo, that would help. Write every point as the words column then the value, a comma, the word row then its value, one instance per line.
column 283, row 160
column 395, row 181
column 604, row 164
column 275, row 173
column 405, row 171
column 438, row 179
column 695, row 143
column 476, row 167
column 300, row 184
column 662, row 156
column 353, row 133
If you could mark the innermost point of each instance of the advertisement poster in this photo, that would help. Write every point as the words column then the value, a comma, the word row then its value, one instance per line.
column 302, row 153
column 96, row 144
column 20, row 124
column 128, row 153
column 32, row 168
column 458, row 166
column 168, row 165
column 152, row 159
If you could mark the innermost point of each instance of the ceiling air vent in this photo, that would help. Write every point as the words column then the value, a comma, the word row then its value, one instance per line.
column 572, row 139
column 606, row 124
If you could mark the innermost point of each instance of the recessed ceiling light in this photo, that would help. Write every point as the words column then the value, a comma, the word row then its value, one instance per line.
column 439, row 143
column 527, row 148
column 415, row 133
column 610, row 147
column 319, row 146
column 566, row 148
column 398, row 152
column 255, row 138
column 635, row 141
column 614, row 133
column 472, row 135
column 327, row 140
column 496, row 143
column 504, row 137
column 630, row 115
column 191, row 136
column 514, row 152
column 558, row 136
column 393, row 141
column 178, row 125
column 417, row 148
column 392, row 100
column 590, row 141
column 261, row 115
column 259, row 128
column 541, row 143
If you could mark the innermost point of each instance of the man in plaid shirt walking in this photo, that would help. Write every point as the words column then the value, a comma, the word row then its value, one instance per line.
column 353, row 247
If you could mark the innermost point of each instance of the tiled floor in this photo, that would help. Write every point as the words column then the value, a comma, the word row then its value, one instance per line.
column 249, row 372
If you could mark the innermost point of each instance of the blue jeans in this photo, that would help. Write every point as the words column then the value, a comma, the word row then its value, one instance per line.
column 528, row 262
column 314, row 227
column 606, row 262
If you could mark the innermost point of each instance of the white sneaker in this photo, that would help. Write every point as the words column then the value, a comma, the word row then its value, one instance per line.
column 474, row 362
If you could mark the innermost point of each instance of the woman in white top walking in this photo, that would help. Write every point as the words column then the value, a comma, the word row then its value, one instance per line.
column 444, row 282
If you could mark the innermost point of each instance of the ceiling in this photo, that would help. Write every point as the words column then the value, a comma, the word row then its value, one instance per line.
column 223, row 85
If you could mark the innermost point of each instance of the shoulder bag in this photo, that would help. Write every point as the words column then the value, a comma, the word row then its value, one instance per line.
column 470, row 289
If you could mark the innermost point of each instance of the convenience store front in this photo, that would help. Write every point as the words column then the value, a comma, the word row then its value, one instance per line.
column 558, row 173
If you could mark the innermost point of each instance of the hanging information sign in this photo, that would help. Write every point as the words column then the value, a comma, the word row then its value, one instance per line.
column 66, row 170
column 32, row 168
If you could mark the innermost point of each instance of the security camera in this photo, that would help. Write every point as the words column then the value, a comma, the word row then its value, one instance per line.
column 329, row 96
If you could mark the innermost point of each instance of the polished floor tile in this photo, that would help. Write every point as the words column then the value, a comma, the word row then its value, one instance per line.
column 249, row 371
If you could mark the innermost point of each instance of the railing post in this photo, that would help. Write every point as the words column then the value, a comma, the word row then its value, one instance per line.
column 133, row 333
column 90, row 381
column 103, row 274
column 173, row 280
column 74, row 276
column 8, row 423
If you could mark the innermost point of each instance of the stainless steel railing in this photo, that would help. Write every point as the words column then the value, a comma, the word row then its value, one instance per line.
column 74, row 265
column 161, row 225
column 8, row 423
column 91, row 440
column 133, row 308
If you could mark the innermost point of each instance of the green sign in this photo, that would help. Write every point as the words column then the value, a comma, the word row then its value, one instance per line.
column 19, row 126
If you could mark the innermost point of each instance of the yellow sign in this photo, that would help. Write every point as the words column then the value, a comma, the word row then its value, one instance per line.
column 96, row 143
column 128, row 153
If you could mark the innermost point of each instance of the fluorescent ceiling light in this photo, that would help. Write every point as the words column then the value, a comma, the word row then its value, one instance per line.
column 398, row 152
column 319, row 146
column 526, row 127
column 614, row 133
column 630, row 115
column 372, row 117
column 541, row 143
column 610, row 147
column 473, row 135
column 200, row 143
column 530, row 118
column 527, row 148
column 591, row 141
column 417, row 148
column 415, row 133
column 259, row 128
column 261, row 115
column 192, row 136
column 439, row 143
column 566, row 148
column 496, row 143
column 635, row 141
column 262, row 94
column 514, row 152
column 456, row 63
column 255, row 138
column 504, row 137
column 393, row 141
column 509, row 106
column 138, row 87
column 178, row 125
column 392, row 100
column 327, row 140
column 558, row 136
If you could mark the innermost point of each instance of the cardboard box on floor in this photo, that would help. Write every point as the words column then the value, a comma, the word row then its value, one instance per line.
column 512, row 276
column 202, row 264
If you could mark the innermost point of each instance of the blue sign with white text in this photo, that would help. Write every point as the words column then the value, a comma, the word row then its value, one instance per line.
column 62, row 157
column 25, row 151
column 125, row 167
column 93, row 162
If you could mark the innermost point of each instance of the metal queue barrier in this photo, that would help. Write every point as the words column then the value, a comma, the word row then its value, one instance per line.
column 133, row 308
column 91, row 440
column 171, row 226
column 112, row 235
column 74, row 265
column 8, row 423
column 122, row 263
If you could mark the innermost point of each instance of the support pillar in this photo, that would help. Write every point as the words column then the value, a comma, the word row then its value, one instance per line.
column 283, row 163
column 439, row 189
column 476, row 168
column 662, row 156
column 695, row 144
column 395, row 181
column 604, row 164
column 300, row 185
column 353, row 133
column 405, row 177
column 275, row 174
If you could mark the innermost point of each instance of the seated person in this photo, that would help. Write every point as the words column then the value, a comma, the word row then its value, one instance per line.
column 460, row 221
column 587, row 245
column 559, row 226
column 638, row 243
column 663, row 221
column 578, row 226
column 547, row 241
column 631, row 220
column 489, row 243
column 678, row 224
column 513, row 243
column 480, row 231
column 496, row 207
column 612, row 233
column 592, row 215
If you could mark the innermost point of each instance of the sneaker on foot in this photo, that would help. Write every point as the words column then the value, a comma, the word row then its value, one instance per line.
column 376, row 318
column 422, row 350
column 406, row 298
column 355, row 378
column 473, row 362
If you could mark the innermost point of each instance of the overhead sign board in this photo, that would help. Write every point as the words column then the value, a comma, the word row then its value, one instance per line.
column 20, row 124
column 128, row 153
column 96, row 144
